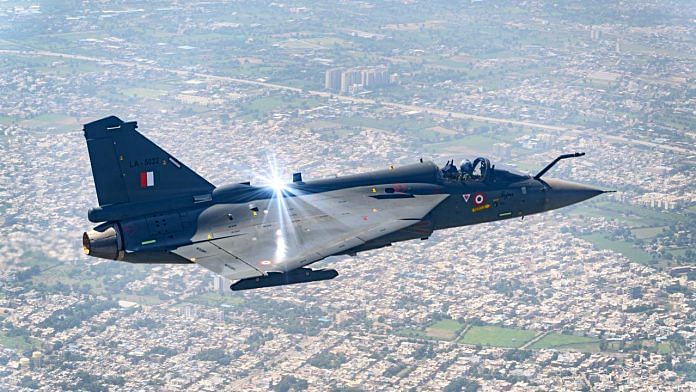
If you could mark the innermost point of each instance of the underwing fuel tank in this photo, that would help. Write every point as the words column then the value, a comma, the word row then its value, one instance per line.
column 300, row 275
column 104, row 242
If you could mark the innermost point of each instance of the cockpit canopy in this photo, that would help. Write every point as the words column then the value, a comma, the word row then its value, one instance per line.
column 478, row 170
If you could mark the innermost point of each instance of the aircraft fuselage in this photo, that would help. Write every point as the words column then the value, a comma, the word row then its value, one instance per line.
column 265, row 236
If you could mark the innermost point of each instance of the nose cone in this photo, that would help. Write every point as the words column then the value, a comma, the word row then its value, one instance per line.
column 564, row 193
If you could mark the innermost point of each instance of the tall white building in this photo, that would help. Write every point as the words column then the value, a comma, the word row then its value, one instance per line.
column 355, row 79
column 350, row 78
column 219, row 284
column 332, row 79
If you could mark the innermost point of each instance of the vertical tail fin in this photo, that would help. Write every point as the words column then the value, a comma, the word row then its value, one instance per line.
column 128, row 167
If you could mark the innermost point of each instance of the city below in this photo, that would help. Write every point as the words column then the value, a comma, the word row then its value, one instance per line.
column 598, row 296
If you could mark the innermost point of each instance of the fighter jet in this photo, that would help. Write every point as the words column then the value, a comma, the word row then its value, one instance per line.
column 154, row 209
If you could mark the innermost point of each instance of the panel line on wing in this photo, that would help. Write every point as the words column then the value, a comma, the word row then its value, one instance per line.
column 237, row 258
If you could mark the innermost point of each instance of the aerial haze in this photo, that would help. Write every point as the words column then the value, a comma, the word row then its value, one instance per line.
column 598, row 296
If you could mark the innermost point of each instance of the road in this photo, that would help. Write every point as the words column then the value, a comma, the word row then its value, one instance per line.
column 273, row 86
column 536, row 339
column 324, row 94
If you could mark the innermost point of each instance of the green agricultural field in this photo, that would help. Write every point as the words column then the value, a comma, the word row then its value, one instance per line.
column 300, row 83
column 52, row 121
column 263, row 105
column 637, row 217
column 323, row 125
column 587, row 210
column 584, row 347
column 649, row 215
column 251, row 71
column 10, row 45
column 557, row 340
column 6, row 120
column 70, row 67
column 315, row 43
column 679, row 252
column 17, row 342
column 392, row 125
column 664, row 348
column 148, row 300
column 497, row 336
column 58, row 275
column 448, row 325
column 412, row 333
column 647, row 232
column 444, row 329
column 625, row 248
column 266, row 104
column 74, row 36
column 53, row 65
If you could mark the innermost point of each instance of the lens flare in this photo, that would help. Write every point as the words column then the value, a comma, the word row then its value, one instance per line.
column 281, row 246
column 280, row 211
column 276, row 212
column 277, row 184
column 273, row 178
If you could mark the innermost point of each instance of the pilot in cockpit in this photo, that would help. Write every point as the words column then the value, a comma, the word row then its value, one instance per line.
column 450, row 170
column 466, row 168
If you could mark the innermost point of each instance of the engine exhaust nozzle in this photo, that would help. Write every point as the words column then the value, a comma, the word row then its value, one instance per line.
column 105, row 244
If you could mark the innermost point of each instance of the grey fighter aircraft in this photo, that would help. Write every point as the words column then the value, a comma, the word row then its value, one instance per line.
column 154, row 209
